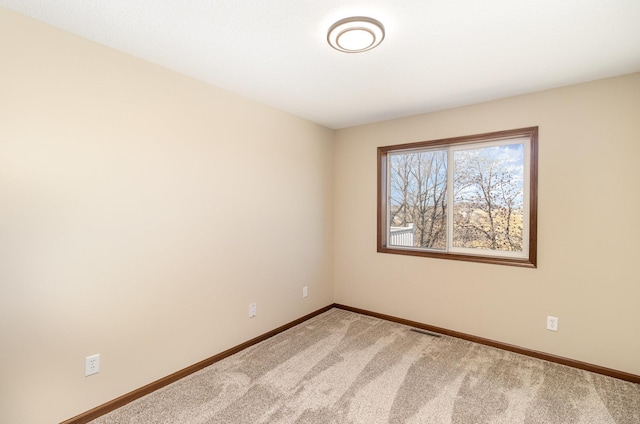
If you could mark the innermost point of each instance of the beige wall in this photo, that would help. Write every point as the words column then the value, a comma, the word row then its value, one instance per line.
column 140, row 213
column 588, row 271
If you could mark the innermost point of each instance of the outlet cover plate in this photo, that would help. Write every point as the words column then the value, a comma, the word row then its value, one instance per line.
column 552, row 323
column 92, row 365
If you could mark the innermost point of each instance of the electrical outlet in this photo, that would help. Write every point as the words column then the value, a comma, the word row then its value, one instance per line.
column 252, row 310
column 552, row 323
column 92, row 365
column 305, row 291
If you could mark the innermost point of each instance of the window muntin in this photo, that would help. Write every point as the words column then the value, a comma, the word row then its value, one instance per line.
column 468, row 198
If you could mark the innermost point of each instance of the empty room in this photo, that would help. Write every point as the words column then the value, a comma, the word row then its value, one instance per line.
column 330, row 211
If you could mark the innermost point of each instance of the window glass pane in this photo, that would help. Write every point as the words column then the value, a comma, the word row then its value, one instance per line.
column 417, row 210
column 488, row 198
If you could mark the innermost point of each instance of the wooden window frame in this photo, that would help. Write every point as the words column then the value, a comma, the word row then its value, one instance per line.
column 529, row 262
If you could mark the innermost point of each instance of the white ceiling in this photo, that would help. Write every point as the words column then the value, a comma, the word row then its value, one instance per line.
column 437, row 54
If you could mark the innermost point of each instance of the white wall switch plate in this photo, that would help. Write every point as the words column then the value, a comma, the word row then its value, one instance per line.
column 305, row 291
column 252, row 310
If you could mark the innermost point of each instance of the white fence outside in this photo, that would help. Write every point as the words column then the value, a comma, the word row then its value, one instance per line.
column 401, row 236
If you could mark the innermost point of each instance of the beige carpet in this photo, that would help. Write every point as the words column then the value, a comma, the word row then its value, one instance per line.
column 341, row 367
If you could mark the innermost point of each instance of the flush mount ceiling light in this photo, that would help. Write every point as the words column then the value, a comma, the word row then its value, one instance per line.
column 355, row 35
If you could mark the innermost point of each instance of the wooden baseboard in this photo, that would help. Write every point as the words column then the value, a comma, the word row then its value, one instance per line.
column 152, row 387
column 505, row 346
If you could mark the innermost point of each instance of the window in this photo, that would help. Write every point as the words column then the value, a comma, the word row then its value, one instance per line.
column 471, row 198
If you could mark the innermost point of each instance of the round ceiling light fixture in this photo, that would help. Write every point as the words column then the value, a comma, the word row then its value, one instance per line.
column 355, row 35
